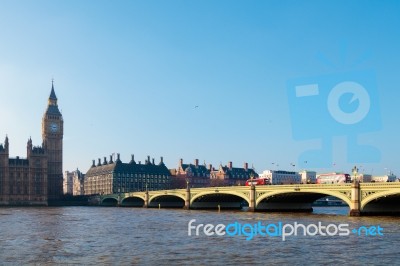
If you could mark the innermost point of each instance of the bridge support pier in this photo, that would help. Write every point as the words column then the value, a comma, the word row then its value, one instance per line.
column 119, row 200
column 355, row 199
column 187, row 198
column 252, row 205
column 146, row 199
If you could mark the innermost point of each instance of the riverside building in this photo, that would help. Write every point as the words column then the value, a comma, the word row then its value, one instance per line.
column 231, row 176
column 36, row 179
column 195, row 175
column 109, row 177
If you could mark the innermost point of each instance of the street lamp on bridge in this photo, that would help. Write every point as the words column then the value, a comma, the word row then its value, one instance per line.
column 355, row 174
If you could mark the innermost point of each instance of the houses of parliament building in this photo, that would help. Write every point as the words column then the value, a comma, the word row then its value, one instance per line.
column 38, row 178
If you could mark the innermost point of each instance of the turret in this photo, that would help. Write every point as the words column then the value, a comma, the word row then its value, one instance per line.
column 4, row 155
column 6, row 145
column 29, row 147
column 52, row 97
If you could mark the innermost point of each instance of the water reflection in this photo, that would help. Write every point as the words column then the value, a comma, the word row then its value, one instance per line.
column 131, row 236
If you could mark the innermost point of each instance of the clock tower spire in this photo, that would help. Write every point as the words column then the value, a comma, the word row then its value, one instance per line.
column 52, row 134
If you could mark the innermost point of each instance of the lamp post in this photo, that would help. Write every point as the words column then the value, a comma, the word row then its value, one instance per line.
column 252, row 205
column 187, row 196
column 355, row 174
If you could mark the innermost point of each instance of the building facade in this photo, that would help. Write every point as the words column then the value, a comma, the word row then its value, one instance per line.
column 73, row 183
column 308, row 177
column 109, row 177
column 195, row 175
column 37, row 178
column 384, row 178
column 231, row 176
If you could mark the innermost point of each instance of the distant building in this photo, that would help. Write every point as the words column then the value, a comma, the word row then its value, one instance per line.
column 195, row 174
column 365, row 178
column 73, row 183
column 308, row 177
column 109, row 177
column 37, row 178
column 384, row 178
column 231, row 176
column 281, row 177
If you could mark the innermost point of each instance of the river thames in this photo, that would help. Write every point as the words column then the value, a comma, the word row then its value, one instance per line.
column 137, row 236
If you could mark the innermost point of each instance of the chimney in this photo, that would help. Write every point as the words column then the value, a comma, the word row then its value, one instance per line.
column 210, row 167
column 230, row 165
column 93, row 163
column 132, row 159
column 111, row 161
column 105, row 161
column 161, row 160
column 140, row 162
column 99, row 163
column 196, row 162
column 246, row 166
column 148, row 158
column 153, row 160
column 181, row 161
column 118, row 159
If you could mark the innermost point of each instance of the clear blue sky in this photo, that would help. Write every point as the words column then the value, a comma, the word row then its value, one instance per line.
column 128, row 75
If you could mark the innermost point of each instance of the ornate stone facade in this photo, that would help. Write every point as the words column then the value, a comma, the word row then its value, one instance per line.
column 38, row 177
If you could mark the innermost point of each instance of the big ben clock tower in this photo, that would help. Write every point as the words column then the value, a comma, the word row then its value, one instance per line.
column 52, row 134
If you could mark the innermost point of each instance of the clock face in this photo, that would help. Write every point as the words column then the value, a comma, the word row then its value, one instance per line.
column 53, row 127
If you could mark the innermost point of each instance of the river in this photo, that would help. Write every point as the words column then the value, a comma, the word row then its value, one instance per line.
column 137, row 236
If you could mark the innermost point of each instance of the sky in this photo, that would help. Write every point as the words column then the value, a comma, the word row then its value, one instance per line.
column 212, row 80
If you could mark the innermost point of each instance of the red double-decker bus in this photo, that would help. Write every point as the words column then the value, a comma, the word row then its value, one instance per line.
column 258, row 181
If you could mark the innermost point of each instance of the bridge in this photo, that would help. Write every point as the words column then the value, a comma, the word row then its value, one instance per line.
column 362, row 198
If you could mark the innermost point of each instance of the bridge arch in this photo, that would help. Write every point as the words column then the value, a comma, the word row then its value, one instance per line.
column 167, row 200
column 209, row 193
column 379, row 195
column 132, row 201
column 157, row 196
column 109, row 201
column 220, row 200
column 302, row 192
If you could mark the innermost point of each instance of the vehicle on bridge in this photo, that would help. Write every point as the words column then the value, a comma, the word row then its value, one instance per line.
column 333, row 178
column 258, row 181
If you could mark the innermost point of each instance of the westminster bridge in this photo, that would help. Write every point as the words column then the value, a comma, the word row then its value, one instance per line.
column 362, row 198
